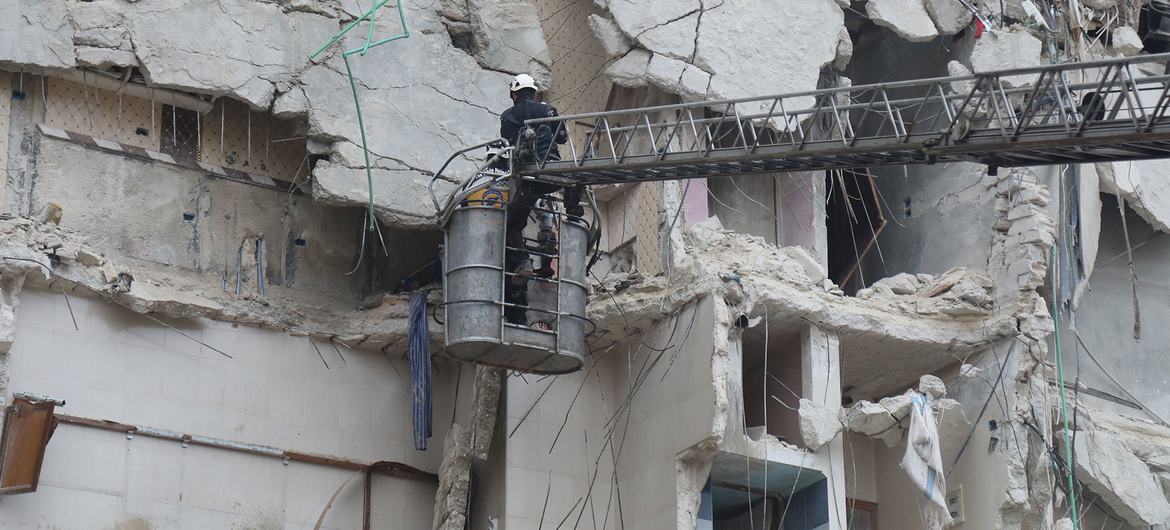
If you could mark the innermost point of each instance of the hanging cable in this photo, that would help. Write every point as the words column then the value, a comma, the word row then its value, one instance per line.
column 1068, row 449
column 353, row 82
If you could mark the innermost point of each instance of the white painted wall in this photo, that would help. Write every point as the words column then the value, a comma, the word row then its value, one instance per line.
column 667, row 415
column 122, row 367
column 859, row 468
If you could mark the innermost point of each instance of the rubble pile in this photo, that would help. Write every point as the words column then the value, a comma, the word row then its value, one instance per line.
column 957, row 292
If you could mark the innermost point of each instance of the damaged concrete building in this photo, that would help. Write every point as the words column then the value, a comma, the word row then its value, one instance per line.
column 770, row 345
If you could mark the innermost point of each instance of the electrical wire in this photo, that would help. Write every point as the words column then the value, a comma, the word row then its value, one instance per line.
column 1072, row 496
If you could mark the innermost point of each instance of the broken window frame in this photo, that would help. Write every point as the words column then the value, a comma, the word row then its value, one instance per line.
column 16, row 442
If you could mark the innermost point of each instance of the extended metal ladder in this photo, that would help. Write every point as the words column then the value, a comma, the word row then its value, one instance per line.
column 1058, row 114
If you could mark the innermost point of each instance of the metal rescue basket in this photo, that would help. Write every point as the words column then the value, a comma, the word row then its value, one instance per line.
column 550, row 339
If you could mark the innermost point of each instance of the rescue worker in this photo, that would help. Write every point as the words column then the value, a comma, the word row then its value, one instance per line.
column 542, row 147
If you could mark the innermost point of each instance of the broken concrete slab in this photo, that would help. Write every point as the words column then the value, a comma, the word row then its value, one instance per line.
column 844, row 50
column 868, row 418
column 630, row 71
column 1001, row 49
column 950, row 16
column 902, row 283
column 1120, row 479
column 899, row 406
column 665, row 73
column 908, row 18
column 105, row 58
column 1126, row 41
column 818, row 425
column 36, row 34
column 795, row 51
column 1142, row 187
column 511, row 38
column 260, row 44
column 812, row 267
column 665, row 27
column 407, row 203
column 613, row 41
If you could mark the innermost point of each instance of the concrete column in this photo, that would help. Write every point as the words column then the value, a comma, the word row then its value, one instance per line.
column 820, row 354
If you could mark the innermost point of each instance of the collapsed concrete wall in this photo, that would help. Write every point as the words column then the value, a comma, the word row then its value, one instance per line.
column 271, row 70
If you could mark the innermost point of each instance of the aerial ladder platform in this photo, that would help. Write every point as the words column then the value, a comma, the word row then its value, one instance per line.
column 1069, row 113
column 1058, row 114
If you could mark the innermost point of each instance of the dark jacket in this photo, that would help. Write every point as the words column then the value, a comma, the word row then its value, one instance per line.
column 512, row 124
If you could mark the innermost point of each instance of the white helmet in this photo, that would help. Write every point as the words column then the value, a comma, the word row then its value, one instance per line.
column 523, row 81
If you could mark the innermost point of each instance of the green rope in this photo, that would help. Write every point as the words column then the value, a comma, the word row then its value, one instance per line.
column 1068, row 449
column 370, row 15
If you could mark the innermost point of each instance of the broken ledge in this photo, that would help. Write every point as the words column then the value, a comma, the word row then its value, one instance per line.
column 57, row 258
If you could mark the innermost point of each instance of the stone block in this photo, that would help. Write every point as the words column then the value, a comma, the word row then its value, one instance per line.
column 899, row 406
column 1126, row 41
column 903, row 283
column 868, row 418
column 613, row 41
column 932, row 386
column 818, row 425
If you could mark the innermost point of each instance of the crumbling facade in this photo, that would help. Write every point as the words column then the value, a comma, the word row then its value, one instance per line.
column 207, row 252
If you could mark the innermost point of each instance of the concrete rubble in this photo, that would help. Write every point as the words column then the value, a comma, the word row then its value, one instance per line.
column 888, row 418
column 1126, row 41
column 144, row 288
column 1137, row 183
column 949, row 17
column 705, row 36
column 789, row 279
column 1006, row 49
column 908, row 18
column 1120, row 479
column 454, row 480
column 613, row 41
column 869, row 419
column 818, row 425
column 932, row 386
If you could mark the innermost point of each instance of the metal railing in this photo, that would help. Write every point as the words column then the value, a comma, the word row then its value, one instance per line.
column 1065, row 113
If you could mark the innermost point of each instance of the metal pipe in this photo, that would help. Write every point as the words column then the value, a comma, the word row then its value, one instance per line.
column 393, row 469
column 115, row 85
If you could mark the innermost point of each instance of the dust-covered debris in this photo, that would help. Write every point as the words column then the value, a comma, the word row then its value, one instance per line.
column 145, row 287
column 818, row 425
column 1120, row 479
